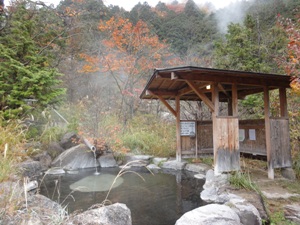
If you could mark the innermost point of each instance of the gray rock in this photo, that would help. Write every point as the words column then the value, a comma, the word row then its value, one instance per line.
column 78, row 157
column 212, row 214
column 198, row 168
column 153, row 167
column 200, row 176
column 54, row 149
column 69, row 140
column 248, row 214
column 107, row 160
column 40, row 210
column 32, row 185
column 55, row 171
column 138, row 160
column 45, row 160
column 116, row 214
column 288, row 173
column 174, row 165
column 30, row 168
column 292, row 212
column 158, row 161
column 217, row 181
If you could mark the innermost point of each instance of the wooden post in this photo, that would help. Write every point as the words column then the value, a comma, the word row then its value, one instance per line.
column 215, row 113
column 283, row 102
column 268, row 133
column 178, row 137
column 234, row 98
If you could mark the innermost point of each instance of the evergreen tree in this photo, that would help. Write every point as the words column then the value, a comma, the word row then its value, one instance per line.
column 25, row 74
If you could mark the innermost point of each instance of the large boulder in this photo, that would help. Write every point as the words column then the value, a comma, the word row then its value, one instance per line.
column 248, row 214
column 77, row 157
column 116, row 214
column 44, row 158
column 54, row 149
column 107, row 160
column 37, row 210
column 213, row 214
column 173, row 165
column 69, row 140
column 30, row 168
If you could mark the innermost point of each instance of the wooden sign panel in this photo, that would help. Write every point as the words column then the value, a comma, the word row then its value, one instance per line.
column 187, row 128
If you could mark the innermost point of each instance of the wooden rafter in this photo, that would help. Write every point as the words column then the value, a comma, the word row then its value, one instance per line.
column 167, row 105
column 201, row 95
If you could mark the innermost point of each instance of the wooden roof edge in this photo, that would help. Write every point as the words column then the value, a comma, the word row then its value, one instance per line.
column 194, row 68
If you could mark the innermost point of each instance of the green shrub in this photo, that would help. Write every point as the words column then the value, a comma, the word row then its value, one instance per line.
column 242, row 180
column 144, row 134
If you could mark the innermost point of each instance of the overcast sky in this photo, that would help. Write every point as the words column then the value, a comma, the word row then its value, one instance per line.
column 128, row 4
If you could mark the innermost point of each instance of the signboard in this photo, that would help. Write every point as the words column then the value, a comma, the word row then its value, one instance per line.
column 252, row 134
column 188, row 128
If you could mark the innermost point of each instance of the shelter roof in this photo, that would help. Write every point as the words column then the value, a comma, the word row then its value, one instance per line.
column 170, row 82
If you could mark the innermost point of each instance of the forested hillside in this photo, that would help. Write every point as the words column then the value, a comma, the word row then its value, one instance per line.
column 90, row 61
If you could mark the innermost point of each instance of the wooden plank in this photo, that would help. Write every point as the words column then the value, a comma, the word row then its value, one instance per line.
column 268, row 133
column 178, row 140
column 234, row 98
column 283, row 102
column 280, row 143
column 227, row 145
column 201, row 95
column 215, row 113
column 167, row 105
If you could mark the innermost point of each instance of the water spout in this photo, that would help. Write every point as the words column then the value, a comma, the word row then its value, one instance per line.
column 93, row 149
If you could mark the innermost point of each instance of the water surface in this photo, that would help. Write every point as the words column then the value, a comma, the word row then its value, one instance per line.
column 158, row 199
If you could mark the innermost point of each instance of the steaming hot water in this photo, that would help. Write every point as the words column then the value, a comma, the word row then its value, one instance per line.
column 160, row 199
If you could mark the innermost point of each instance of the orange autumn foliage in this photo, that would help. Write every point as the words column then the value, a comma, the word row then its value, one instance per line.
column 291, row 63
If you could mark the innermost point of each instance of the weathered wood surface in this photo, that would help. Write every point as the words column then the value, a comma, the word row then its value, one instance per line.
column 280, row 143
column 205, row 138
column 226, row 149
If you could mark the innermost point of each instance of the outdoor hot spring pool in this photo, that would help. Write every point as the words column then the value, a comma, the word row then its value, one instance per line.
column 159, row 199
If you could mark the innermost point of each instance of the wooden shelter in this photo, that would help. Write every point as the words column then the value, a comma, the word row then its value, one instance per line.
column 213, row 86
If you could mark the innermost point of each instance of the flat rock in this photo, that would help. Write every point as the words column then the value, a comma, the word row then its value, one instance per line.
column 199, row 176
column 107, row 160
column 157, row 161
column 174, row 165
column 153, row 167
column 55, row 171
column 278, row 195
column 292, row 212
column 198, row 168
column 213, row 214
column 116, row 214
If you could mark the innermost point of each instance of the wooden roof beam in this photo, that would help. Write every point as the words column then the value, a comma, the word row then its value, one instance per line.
column 173, row 111
column 201, row 95
column 149, row 92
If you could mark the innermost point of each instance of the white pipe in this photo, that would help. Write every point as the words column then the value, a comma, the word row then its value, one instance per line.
column 89, row 145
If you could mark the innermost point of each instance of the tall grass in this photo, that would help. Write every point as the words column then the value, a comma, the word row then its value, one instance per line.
column 242, row 180
column 144, row 134
column 12, row 140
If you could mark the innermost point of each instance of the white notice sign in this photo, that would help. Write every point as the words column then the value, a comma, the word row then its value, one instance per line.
column 252, row 135
column 187, row 128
